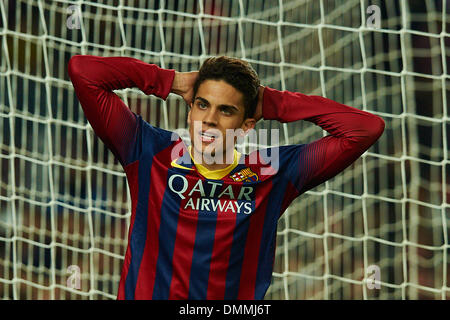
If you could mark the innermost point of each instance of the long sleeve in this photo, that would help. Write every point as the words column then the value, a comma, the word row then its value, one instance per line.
column 94, row 79
column 351, row 133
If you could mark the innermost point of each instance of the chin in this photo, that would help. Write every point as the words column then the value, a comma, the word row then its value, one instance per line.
column 204, row 150
column 208, row 153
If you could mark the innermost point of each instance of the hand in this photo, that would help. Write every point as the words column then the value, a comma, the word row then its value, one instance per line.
column 183, row 85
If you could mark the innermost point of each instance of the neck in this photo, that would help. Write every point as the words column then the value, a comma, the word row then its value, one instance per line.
column 214, row 162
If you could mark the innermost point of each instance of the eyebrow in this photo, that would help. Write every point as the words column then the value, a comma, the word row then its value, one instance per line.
column 220, row 105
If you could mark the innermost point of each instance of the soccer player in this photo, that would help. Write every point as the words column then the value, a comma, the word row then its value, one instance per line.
column 204, row 217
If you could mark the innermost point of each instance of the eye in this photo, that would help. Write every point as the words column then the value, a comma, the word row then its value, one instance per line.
column 226, row 111
column 201, row 105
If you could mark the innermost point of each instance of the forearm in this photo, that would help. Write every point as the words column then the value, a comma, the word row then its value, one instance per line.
column 352, row 132
column 113, row 73
column 339, row 120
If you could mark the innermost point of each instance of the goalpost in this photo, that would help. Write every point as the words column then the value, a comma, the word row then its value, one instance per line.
column 378, row 230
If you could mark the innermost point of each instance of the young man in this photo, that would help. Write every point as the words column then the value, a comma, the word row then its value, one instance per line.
column 204, row 217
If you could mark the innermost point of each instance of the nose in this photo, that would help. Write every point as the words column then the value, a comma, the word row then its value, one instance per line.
column 211, row 117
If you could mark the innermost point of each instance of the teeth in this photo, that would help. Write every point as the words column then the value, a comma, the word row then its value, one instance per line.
column 207, row 135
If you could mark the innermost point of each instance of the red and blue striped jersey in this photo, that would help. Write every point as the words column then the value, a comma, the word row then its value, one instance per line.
column 209, row 235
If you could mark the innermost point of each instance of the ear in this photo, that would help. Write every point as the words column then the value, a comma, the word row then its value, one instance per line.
column 248, row 124
column 189, row 113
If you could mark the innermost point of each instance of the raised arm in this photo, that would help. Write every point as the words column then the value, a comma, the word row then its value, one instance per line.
column 352, row 132
column 94, row 79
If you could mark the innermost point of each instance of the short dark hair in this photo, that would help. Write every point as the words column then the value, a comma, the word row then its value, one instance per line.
column 237, row 73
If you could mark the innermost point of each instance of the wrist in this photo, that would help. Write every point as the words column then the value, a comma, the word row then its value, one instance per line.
column 183, row 85
column 177, row 83
column 161, row 83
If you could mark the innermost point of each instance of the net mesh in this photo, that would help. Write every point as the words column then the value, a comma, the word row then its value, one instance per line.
column 64, row 199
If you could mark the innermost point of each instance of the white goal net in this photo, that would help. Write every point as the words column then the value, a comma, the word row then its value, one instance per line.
column 378, row 230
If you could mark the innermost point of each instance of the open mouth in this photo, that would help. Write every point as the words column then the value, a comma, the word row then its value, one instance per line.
column 207, row 136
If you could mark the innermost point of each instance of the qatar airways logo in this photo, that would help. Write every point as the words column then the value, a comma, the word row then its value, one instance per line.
column 210, row 196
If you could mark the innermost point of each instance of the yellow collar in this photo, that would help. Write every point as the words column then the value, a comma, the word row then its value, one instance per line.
column 216, row 174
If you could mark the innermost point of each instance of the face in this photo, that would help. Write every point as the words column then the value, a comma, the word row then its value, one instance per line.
column 217, row 110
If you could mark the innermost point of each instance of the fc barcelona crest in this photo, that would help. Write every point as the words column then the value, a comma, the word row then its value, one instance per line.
column 245, row 175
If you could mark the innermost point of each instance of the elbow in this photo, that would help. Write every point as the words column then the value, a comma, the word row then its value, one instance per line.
column 377, row 127
column 369, row 129
column 76, row 65
column 374, row 129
